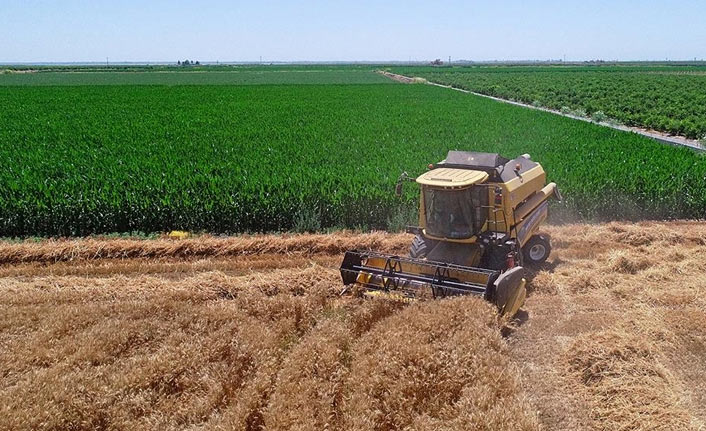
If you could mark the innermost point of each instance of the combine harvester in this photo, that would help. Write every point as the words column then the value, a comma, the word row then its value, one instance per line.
column 479, row 217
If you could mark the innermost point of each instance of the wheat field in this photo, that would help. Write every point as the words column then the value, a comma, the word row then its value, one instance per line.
column 250, row 333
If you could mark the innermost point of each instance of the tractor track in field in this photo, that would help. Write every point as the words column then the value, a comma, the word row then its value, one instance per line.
column 652, row 134
column 250, row 333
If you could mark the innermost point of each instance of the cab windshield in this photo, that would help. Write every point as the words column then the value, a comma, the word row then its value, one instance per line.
column 456, row 214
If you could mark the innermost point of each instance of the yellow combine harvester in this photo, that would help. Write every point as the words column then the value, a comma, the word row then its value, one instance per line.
column 479, row 217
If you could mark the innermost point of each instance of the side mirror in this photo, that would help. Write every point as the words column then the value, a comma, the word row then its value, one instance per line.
column 398, row 188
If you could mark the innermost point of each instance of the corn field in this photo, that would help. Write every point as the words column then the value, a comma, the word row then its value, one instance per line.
column 81, row 160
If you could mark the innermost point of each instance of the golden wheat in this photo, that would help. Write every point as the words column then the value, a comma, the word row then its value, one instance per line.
column 251, row 333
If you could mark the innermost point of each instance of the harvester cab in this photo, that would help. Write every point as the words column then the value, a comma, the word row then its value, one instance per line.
column 479, row 219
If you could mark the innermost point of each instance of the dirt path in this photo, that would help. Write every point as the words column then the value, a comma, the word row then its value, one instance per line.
column 653, row 134
column 250, row 333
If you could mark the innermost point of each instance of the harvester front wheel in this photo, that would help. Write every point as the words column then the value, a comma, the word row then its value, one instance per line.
column 537, row 250
column 420, row 247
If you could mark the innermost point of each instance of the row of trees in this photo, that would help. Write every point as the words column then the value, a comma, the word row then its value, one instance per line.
column 188, row 63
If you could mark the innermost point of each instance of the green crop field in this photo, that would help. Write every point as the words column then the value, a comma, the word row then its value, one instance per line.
column 84, row 159
column 666, row 98
column 223, row 76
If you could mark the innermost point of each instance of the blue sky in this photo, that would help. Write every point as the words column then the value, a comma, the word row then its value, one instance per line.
column 210, row 30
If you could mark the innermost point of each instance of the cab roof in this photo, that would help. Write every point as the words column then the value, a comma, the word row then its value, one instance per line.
column 452, row 177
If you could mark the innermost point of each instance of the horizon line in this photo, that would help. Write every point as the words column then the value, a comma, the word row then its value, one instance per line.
column 108, row 62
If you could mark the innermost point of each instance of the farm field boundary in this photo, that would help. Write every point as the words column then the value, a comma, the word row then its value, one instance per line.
column 653, row 134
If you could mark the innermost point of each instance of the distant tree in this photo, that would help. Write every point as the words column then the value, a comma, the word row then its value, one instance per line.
column 178, row 62
column 437, row 62
column 197, row 63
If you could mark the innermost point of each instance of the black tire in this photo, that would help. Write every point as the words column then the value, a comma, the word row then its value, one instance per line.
column 536, row 251
column 420, row 247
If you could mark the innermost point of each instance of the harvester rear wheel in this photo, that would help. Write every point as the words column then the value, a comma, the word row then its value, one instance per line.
column 537, row 250
column 420, row 247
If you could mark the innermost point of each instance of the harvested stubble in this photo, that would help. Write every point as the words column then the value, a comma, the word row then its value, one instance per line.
column 616, row 333
column 622, row 369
